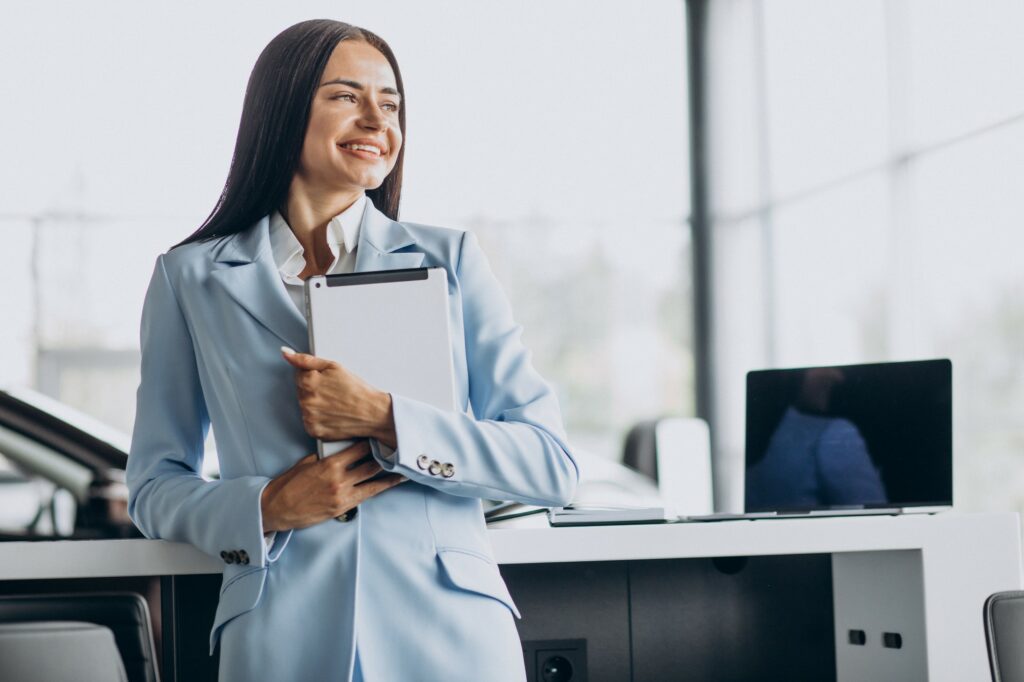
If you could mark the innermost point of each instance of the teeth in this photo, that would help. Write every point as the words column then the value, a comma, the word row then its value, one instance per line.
column 362, row 147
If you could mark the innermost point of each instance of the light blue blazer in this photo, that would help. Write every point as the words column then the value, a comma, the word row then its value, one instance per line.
column 411, row 582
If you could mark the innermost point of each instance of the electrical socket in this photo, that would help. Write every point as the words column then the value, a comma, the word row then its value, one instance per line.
column 556, row 660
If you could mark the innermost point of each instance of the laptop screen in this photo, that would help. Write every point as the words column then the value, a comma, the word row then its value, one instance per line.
column 850, row 437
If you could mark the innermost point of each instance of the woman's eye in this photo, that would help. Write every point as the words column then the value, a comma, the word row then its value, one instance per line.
column 349, row 97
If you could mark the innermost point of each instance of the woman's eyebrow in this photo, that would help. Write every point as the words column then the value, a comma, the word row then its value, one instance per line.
column 358, row 86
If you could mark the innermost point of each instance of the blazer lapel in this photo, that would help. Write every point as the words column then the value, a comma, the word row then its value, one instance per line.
column 254, row 282
column 380, row 241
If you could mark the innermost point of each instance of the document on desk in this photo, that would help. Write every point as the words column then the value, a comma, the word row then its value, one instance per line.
column 605, row 516
column 390, row 328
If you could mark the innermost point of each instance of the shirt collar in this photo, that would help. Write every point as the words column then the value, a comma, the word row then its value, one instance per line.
column 345, row 225
column 342, row 233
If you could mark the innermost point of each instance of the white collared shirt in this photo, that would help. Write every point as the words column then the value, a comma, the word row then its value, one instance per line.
column 342, row 238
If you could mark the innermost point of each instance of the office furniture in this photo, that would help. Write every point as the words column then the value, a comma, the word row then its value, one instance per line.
column 124, row 614
column 683, row 455
column 675, row 452
column 1004, row 634
column 59, row 651
column 853, row 598
column 639, row 452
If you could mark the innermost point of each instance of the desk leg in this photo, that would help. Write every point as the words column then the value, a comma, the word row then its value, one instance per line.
column 188, row 603
column 169, row 672
column 875, row 593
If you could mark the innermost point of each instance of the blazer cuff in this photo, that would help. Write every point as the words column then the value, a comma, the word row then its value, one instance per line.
column 413, row 458
column 245, row 542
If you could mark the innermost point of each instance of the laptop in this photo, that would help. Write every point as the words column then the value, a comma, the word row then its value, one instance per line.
column 848, row 440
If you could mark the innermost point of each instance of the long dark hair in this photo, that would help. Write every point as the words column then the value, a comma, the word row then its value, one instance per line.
column 275, row 115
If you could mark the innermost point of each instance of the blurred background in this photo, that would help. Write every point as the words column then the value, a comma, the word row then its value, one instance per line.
column 672, row 192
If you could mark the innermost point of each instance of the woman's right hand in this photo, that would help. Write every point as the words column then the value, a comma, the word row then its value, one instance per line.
column 315, row 490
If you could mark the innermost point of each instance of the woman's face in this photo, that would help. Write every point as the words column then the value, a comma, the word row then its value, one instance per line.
column 356, row 103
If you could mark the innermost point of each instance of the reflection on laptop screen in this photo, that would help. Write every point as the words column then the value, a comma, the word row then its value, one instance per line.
column 857, row 436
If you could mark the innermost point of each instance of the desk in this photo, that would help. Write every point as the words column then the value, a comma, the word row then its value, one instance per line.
column 924, row 577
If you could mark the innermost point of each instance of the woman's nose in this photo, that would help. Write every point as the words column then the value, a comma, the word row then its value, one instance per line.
column 372, row 117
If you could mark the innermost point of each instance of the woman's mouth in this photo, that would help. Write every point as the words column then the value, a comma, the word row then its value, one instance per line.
column 362, row 151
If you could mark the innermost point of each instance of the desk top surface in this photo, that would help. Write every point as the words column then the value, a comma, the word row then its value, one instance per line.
column 530, row 541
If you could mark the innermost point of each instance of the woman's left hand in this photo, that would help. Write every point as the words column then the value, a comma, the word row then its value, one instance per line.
column 338, row 405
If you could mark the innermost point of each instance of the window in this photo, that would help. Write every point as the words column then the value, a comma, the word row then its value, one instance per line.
column 555, row 131
column 876, row 213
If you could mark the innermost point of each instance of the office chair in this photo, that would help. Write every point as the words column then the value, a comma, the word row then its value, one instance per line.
column 124, row 613
column 676, row 453
column 1004, row 634
column 59, row 651
column 639, row 452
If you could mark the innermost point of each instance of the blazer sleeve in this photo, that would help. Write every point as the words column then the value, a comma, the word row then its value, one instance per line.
column 514, row 446
column 167, row 496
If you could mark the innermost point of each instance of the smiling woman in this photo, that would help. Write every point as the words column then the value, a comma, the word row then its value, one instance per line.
column 314, row 188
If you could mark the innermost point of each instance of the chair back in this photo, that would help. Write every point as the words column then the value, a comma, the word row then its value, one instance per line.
column 1004, row 633
column 639, row 452
column 59, row 651
column 676, row 453
column 124, row 613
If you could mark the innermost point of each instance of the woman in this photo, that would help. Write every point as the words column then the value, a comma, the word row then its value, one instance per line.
column 408, row 590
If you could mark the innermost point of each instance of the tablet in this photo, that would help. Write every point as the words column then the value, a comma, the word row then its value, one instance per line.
column 390, row 328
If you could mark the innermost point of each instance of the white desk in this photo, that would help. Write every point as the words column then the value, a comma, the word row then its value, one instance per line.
column 925, row 576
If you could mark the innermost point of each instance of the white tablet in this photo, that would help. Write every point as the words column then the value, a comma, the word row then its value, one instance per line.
column 390, row 328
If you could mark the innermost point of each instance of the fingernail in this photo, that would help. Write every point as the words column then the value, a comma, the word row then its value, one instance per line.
column 287, row 351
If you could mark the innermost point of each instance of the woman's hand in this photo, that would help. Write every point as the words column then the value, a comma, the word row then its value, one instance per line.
column 338, row 405
column 315, row 490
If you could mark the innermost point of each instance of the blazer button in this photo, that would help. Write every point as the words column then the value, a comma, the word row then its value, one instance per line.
column 435, row 467
column 422, row 461
column 226, row 556
column 448, row 470
column 243, row 557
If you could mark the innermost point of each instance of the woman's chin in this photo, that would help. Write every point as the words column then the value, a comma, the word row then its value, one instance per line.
column 361, row 181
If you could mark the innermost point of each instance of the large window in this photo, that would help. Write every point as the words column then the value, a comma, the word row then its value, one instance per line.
column 556, row 131
column 866, row 161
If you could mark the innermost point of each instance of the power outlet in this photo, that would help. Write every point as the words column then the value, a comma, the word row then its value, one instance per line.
column 556, row 660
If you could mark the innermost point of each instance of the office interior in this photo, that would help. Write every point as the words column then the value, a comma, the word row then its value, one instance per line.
column 672, row 193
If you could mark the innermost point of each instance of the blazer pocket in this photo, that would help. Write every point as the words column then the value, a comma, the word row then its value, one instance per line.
column 475, row 573
column 240, row 594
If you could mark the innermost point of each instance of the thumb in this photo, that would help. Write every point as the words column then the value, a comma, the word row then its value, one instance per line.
column 304, row 360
